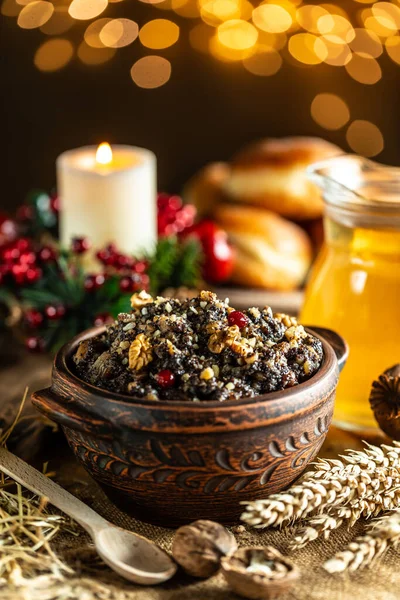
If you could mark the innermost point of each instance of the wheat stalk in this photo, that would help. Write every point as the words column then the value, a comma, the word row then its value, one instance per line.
column 368, row 548
column 322, row 525
column 358, row 475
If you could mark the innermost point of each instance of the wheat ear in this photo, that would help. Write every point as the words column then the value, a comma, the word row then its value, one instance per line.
column 331, row 482
column 367, row 548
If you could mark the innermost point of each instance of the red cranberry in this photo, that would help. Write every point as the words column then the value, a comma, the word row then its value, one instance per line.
column 145, row 281
column 125, row 284
column 33, row 318
column 237, row 318
column 80, row 245
column 19, row 273
column 140, row 266
column 25, row 213
column 53, row 313
column 165, row 378
column 102, row 319
column 35, row 344
column 131, row 283
column 47, row 254
column 33, row 275
column 11, row 254
column 23, row 244
column 94, row 282
column 28, row 258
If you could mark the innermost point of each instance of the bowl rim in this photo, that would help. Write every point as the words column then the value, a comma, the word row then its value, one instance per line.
column 61, row 365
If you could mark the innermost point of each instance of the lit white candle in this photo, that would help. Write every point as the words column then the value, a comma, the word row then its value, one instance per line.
column 108, row 195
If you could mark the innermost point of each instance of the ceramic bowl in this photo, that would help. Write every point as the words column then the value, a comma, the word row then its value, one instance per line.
column 173, row 462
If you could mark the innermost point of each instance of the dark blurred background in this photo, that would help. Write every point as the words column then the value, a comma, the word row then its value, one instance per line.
column 206, row 111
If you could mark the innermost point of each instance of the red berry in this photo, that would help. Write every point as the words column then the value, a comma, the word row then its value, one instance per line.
column 28, row 258
column 165, row 378
column 140, row 266
column 145, row 281
column 19, row 273
column 35, row 344
column 237, row 318
column 11, row 254
column 102, row 319
column 55, row 312
column 47, row 254
column 33, row 318
column 125, row 284
column 23, row 244
column 94, row 282
column 33, row 275
column 80, row 245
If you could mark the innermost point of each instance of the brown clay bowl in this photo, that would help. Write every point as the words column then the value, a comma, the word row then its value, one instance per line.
column 171, row 463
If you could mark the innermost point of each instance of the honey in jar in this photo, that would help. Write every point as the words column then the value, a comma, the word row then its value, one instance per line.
column 354, row 286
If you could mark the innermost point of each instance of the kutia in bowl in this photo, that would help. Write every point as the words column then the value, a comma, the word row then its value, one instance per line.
column 181, row 409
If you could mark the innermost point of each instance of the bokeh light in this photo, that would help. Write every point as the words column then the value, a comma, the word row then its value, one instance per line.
column 272, row 18
column 308, row 15
column 307, row 48
column 365, row 138
column 60, row 21
column 92, row 32
column 387, row 13
column 151, row 72
column 94, row 56
column 330, row 111
column 159, row 33
column 10, row 8
column 200, row 36
column 266, row 61
column 364, row 69
column 119, row 33
column 84, row 10
column 215, row 12
column 35, row 14
column 366, row 41
column 337, row 26
column 392, row 45
column 53, row 55
column 237, row 34
column 336, row 51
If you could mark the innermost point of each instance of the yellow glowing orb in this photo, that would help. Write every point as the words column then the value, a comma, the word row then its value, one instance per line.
column 151, row 72
column 307, row 48
column 94, row 56
column 365, row 138
column 60, row 22
column 92, row 32
column 119, row 33
column 264, row 62
column 53, row 55
column 366, row 41
column 364, row 69
column 237, row 34
column 158, row 34
column 35, row 14
column 87, row 9
column 272, row 18
column 392, row 46
column 330, row 111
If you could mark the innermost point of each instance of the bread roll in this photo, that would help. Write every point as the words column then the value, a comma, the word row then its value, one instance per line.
column 270, row 252
column 272, row 174
column 205, row 188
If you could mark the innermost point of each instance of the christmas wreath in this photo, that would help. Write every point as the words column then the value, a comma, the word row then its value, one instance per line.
column 47, row 295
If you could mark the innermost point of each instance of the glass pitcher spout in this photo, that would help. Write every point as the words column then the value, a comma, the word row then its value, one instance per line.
column 358, row 191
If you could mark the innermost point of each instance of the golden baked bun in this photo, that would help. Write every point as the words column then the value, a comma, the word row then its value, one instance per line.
column 205, row 188
column 272, row 174
column 271, row 252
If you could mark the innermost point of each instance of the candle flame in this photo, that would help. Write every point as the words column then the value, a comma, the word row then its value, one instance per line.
column 104, row 154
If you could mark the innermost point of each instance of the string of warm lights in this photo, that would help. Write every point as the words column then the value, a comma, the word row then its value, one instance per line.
column 260, row 37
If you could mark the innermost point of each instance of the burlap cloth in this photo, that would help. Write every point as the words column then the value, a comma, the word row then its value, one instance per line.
column 93, row 580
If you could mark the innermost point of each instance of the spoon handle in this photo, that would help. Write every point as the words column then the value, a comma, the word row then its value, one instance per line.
column 39, row 484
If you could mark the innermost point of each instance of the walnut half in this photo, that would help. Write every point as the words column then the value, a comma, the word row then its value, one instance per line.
column 259, row 573
column 140, row 353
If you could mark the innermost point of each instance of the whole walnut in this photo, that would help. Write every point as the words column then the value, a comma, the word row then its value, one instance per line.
column 199, row 547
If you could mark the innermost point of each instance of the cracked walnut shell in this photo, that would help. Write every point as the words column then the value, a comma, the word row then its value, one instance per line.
column 385, row 401
column 199, row 547
column 140, row 353
column 259, row 573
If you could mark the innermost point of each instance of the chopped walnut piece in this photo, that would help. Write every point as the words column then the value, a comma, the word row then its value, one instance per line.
column 141, row 299
column 285, row 319
column 140, row 353
column 207, row 373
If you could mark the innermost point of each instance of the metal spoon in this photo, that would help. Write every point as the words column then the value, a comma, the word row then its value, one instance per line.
column 129, row 554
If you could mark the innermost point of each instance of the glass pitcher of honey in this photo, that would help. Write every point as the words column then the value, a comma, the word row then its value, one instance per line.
column 354, row 287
